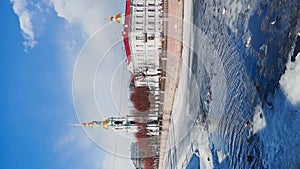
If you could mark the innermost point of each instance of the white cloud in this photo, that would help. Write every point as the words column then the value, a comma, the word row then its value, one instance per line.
column 73, row 144
column 20, row 8
column 290, row 81
column 88, row 14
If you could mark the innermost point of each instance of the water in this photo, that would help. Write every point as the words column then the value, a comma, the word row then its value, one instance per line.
column 194, row 162
column 228, row 80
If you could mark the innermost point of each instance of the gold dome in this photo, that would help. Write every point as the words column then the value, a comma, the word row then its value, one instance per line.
column 91, row 124
column 84, row 124
column 111, row 18
column 118, row 18
column 105, row 124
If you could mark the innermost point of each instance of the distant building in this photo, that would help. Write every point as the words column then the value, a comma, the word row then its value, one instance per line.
column 136, row 156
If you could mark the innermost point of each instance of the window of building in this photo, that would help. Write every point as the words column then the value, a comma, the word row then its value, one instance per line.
column 151, row 51
column 138, row 28
column 118, row 122
column 151, row 10
column 140, row 37
column 139, row 10
column 151, row 37
column 151, row 28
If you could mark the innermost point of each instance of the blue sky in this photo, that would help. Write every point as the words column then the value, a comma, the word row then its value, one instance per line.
column 36, row 100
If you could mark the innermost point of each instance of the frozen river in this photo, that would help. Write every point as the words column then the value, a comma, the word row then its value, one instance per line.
column 231, row 111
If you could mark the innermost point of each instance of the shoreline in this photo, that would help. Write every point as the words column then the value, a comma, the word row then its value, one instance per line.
column 180, row 104
column 173, row 68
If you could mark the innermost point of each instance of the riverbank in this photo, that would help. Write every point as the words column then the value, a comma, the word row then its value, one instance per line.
column 174, row 39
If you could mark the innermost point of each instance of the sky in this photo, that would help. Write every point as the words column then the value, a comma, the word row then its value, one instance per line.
column 44, row 45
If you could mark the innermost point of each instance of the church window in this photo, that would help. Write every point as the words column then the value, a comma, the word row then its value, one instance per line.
column 141, row 37
column 138, row 28
column 139, row 10
column 151, row 37
column 118, row 122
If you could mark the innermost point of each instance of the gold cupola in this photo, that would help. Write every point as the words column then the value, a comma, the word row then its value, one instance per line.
column 118, row 18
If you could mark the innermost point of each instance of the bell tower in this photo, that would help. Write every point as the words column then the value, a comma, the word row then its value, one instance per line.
column 115, row 123
column 122, row 124
column 127, row 123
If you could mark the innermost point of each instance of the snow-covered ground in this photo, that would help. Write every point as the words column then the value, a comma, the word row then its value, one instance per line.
column 183, row 129
column 259, row 121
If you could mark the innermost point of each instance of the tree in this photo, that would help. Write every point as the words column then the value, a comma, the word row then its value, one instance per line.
column 140, row 98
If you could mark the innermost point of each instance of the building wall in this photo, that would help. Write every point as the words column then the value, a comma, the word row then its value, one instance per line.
column 145, row 42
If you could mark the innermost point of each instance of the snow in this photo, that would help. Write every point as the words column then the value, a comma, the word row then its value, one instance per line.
column 221, row 156
column 198, row 133
column 259, row 121
column 180, row 130
column 291, row 79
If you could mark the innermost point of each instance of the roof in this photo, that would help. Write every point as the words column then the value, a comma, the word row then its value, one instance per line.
column 126, row 31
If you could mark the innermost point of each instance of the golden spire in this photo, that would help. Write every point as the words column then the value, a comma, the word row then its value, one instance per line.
column 105, row 124
column 117, row 18
column 80, row 125
column 92, row 124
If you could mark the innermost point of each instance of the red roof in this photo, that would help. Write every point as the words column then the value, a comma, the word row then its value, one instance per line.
column 126, row 31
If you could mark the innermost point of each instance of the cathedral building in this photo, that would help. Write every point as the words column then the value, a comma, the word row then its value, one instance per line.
column 142, row 36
